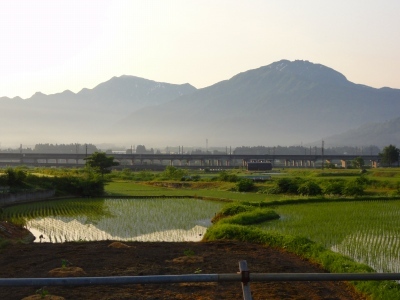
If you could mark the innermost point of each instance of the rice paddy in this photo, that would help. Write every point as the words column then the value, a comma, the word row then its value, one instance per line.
column 116, row 219
column 366, row 231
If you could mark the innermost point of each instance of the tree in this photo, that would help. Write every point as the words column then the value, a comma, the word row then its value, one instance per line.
column 390, row 154
column 100, row 162
column 358, row 162
column 14, row 177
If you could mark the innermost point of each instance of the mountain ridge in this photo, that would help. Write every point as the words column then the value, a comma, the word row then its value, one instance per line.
column 286, row 102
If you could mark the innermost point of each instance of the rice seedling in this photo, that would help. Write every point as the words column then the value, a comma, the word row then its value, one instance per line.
column 367, row 231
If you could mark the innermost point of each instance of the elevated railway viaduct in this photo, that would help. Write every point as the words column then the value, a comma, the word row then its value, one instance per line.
column 159, row 161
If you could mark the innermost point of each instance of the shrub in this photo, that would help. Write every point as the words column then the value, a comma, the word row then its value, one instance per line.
column 244, row 185
column 353, row 188
column 225, row 176
column 173, row 173
column 14, row 177
column 335, row 187
column 287, row 185
column 309, row 188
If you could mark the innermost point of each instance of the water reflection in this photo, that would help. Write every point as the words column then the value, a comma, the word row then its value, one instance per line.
column 120, row 219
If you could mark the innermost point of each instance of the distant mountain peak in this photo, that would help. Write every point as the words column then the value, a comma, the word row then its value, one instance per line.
column 309, row 70
column 37, row 95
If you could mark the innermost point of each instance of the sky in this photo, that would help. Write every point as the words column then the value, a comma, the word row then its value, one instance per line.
column 56, row 45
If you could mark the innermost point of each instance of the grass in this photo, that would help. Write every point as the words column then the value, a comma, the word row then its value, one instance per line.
column 233, row 228
column 129, row 188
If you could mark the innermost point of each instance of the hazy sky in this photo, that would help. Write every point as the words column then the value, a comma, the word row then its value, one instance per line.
column 50, row 46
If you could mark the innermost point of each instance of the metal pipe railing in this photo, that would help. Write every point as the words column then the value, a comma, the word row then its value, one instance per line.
column 234, row 277
column 244, row 276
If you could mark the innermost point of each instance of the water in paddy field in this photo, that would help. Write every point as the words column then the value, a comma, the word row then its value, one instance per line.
column 169, row 220
column 366, row 231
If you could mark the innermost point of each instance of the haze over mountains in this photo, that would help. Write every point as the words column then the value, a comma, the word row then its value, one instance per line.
column 284, row 103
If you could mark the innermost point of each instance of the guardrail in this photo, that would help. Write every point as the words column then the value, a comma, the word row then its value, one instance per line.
column 244, row 276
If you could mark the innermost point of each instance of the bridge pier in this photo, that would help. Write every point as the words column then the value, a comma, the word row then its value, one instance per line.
column 344, row 163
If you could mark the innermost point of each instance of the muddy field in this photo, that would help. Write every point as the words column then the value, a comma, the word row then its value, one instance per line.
column 99, row 259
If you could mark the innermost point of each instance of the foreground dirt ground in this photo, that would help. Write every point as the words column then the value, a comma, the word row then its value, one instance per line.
column 98, row 259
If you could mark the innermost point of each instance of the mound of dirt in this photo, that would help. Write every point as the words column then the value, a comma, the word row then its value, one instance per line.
column 67, row 272
column 14, row 233
column 164, row 258
column 188, row 259
column 118, row 245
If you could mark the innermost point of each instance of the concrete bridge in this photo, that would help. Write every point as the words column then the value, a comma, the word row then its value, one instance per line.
column 159, row 161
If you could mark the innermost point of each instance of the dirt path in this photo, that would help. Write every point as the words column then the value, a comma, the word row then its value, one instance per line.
column 97, row 259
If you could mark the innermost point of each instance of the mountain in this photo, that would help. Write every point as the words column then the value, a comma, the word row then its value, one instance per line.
column 282, row 103
column 81, row 116
column 380, row 134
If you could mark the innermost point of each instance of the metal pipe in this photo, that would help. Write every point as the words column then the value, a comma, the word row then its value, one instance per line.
column 119, row 280
column 235, row 277
column 323, row 276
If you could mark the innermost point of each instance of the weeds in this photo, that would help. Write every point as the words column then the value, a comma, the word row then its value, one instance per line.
column 188, row 252
column 42, row 292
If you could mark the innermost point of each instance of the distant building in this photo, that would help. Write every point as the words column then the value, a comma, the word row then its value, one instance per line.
column 259, row 166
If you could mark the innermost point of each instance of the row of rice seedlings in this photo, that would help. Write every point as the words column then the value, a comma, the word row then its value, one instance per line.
column 26, row 212
column 368, row 232
column 138, row 219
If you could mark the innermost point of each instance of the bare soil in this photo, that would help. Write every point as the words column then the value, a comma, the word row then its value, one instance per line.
column 36, row 260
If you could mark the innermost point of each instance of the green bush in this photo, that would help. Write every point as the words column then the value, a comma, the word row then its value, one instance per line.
column 245, row 185
column 173, row 173
column 309, row 188
column 88, row 185
column 227, row 177
column 334, row 187
column 14, row 177
column 287, row 185
column 353, row 188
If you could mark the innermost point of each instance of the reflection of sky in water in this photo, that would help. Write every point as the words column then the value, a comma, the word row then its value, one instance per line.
column 132, row 220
